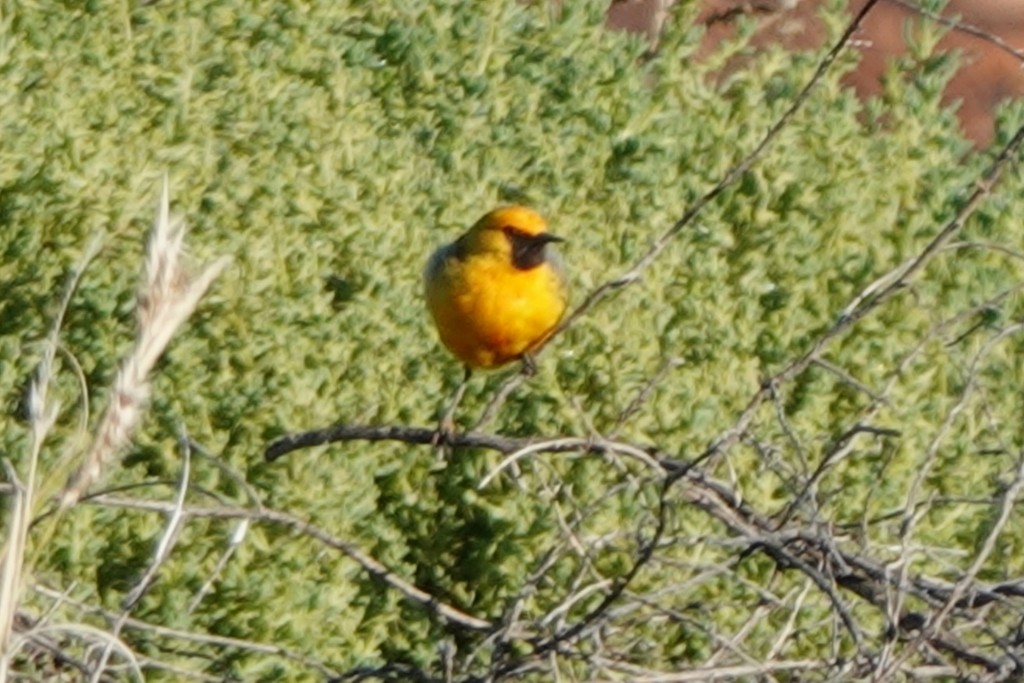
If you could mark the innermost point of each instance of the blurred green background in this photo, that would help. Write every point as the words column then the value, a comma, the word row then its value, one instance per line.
column 328, row 148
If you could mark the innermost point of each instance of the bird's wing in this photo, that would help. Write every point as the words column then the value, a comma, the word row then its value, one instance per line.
column 436, row 261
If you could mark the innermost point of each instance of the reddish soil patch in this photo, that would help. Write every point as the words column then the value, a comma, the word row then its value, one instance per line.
column 986, row 35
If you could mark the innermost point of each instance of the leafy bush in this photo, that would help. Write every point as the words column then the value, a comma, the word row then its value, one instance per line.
column 328, row 148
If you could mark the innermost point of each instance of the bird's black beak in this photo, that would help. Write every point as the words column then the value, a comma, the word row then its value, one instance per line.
column 528, row 250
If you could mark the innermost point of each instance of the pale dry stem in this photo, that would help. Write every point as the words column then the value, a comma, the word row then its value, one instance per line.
column 42, row 415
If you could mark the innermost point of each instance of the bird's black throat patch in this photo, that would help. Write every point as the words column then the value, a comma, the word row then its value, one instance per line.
column 528, row 250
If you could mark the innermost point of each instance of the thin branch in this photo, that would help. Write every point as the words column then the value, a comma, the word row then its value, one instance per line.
column 964, row 27
column 866, row 302
column 423, row 436
column 266, row 516
column 190, row 636
column 734, row 174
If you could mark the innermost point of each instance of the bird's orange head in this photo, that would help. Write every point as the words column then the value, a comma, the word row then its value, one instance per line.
column 517, row 233
column 521, row 218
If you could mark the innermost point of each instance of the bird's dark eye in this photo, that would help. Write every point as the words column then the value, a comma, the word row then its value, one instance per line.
column 513, row 233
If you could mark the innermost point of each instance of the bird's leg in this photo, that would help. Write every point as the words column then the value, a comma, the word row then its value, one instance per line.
column 528, row 370
column 529, row 365
column 446, row 427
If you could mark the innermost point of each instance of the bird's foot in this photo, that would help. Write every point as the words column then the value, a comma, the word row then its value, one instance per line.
column 444, row 433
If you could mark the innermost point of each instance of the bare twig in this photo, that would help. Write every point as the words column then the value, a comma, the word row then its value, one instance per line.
column 266, row 516
column 423, row 436
column 189, row 636
column 734, row 174
column 963, row 27
column 872, row 298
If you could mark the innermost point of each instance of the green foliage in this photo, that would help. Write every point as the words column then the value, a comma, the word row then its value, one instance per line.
column 328, row 147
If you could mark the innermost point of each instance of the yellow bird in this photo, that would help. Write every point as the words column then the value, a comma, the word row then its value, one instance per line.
column 497, row 292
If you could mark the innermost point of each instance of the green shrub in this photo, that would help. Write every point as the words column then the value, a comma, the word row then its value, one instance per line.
column 328, row 148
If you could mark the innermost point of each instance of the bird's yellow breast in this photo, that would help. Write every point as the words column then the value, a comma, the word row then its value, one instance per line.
column 487, row 311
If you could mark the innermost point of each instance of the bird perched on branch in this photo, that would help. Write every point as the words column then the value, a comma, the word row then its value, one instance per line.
column 497, row 292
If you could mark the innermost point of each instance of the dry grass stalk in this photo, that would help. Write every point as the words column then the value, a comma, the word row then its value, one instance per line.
column 167, row 297
column 42, row 414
